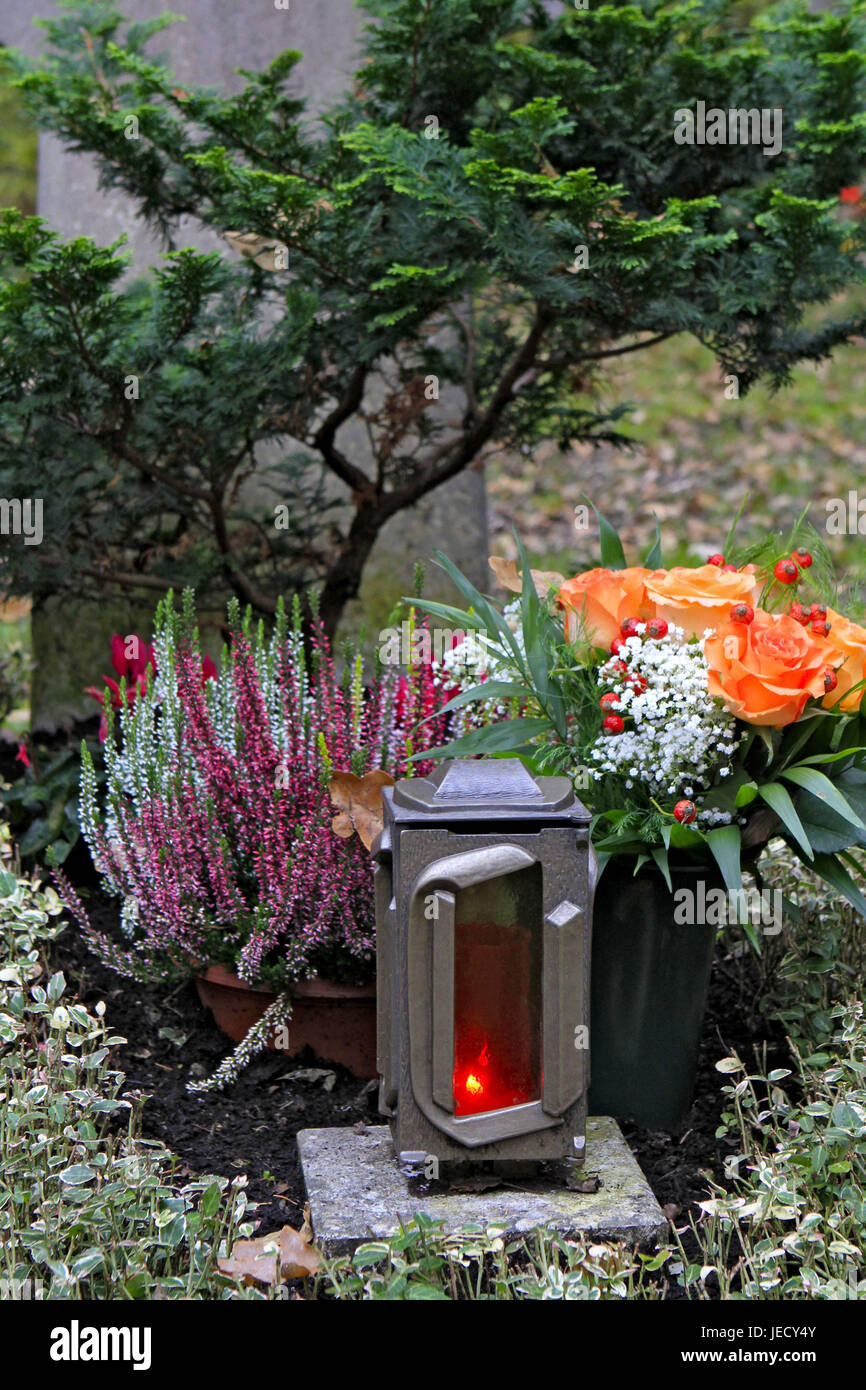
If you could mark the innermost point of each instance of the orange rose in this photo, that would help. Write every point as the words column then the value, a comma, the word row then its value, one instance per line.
column 849, row 639
column 696, row 599
column 766, row 671
column 600, row 599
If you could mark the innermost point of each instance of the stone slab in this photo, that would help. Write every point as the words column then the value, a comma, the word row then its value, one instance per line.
column 357, row 1192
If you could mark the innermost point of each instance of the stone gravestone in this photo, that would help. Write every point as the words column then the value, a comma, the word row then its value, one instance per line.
column 71, row 639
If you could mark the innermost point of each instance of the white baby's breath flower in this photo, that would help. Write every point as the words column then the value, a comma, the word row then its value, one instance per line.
column 677, row 735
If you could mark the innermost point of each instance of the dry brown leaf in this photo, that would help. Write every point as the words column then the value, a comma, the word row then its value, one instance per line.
column 359, row 804
column 255, row 1261
column 511, row 579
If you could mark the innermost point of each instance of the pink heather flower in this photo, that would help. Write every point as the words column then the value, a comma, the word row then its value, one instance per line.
column 236, row 859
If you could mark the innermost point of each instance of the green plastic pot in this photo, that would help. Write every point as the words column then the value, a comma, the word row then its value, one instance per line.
column 650, row 977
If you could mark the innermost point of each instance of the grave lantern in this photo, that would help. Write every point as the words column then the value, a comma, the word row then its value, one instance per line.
column 484, row 886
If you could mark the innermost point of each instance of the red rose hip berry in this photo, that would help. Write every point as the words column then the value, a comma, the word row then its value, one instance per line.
column 628, row 627
column 818, row 610
column 717, row 559
column 609, row 702
column 801, row 557
column 786, row 572
column 656, row 627
column 831, row 680
column 820, row 627
column 613, row 724
column 742, row 613
column 800, row 614
column 685, row 812
column 617, row 646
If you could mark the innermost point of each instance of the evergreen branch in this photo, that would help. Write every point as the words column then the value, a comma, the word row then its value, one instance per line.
column 552, row 363
column 458, row 455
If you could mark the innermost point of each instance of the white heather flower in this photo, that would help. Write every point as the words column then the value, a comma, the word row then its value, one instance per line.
column 472, row 660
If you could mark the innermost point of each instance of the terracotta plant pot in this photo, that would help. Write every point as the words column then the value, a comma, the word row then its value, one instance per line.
column 337, row 1021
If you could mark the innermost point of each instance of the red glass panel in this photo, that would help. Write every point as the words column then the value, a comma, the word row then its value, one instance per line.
column 497, row 1004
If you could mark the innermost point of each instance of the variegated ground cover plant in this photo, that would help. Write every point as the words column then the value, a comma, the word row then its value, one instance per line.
column 88, row 1209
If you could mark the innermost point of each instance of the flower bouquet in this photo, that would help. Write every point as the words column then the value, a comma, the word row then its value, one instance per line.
column 699, row 711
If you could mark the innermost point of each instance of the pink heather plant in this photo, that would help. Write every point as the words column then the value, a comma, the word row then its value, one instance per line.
column 217, row 826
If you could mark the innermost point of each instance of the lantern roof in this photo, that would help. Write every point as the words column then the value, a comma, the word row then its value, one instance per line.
column 492, row 789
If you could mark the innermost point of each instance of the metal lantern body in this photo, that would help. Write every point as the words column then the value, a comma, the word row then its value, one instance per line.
column 484, row 885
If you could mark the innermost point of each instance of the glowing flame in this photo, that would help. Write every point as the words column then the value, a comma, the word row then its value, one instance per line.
column 474, row 1083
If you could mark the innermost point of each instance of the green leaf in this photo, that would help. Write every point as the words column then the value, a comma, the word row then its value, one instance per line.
column 686, row 837
column 827, row 831
column 729, row 539
column 660, row 855
column 506, row 736
column 764, row 736
column 653, row 559
column 725, row 797
column 603, row 858
column 210, row 1200
column 461, row 618
column 848, row 1115
column 821, row 787
column 612, row 553
column 725, row 846
column 530, row 609
column 485, row 690
column 779, row 800
column 829, row 757
column 490, row 619
column 798, row 736
column 36, row 837
column 751, row 932
column 834, row 873
column 76, row 1175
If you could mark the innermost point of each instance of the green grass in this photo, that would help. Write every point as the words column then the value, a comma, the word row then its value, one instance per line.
column 696, row 456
